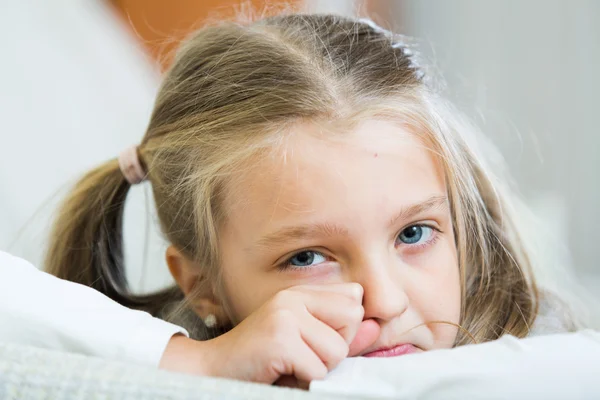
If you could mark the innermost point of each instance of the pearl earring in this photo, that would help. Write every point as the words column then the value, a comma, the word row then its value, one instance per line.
column 210, row 321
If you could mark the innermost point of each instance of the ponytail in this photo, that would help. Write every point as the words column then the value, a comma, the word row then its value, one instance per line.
column 86, row 242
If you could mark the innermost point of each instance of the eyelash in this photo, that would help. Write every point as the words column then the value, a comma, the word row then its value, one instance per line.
column 287, row 265
column 434, row 236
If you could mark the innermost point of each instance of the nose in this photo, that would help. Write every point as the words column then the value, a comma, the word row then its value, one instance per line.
column 384, row 295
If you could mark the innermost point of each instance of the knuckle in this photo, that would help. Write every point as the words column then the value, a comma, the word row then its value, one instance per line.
column 279, row 364
column 357, row 313
column 356, row 291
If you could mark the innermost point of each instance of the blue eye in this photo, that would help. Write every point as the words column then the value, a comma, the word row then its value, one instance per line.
column 306, row 259
column 415, row 234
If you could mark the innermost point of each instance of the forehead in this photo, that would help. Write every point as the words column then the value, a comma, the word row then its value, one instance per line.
column 316, row 173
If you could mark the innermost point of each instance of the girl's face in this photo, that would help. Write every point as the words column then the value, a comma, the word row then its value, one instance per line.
column 371, row 208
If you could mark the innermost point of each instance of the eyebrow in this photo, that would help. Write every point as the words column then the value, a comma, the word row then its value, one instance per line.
column 300, row 232
column 416, row 209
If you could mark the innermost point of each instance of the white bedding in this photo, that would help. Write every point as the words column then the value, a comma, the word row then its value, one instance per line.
column 560, row 366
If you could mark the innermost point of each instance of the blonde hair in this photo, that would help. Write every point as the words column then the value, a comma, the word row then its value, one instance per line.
column 232, row 91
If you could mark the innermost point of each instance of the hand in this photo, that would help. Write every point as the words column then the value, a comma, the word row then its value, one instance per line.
column 367, row 333
column 304, row 332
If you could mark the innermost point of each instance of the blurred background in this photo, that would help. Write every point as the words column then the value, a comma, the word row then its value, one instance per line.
column 78, row 77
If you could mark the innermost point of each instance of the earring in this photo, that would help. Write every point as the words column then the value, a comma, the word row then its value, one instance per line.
column 210, row 321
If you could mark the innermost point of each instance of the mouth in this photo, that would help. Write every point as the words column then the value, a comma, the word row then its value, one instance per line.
column 395, row 351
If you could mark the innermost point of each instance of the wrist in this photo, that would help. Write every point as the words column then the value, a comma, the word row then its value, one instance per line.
column 186, row 355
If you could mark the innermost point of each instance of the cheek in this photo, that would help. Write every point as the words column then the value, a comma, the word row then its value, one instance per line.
column 241, row 294
column 243, row 288
column 246, row 290
column 437, row 297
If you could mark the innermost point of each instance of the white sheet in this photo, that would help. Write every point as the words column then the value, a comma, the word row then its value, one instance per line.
column 561, row 366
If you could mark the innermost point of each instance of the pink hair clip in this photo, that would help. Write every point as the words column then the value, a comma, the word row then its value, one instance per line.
column 129, row 163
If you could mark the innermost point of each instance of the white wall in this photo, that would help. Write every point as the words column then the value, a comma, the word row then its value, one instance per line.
column 527, row 71
column 75, row 89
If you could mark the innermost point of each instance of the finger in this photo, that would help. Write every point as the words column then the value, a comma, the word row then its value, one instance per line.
column 306, row 365
column 327, row 344
column 337, row 311
column 367, row 334
column 351, row 289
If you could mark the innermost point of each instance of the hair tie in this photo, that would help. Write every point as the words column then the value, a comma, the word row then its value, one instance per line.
column 129, row 163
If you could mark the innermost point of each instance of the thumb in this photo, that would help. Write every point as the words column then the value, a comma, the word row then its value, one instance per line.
column 367, row 334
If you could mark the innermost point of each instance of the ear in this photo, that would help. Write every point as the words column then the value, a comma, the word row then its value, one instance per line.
column 188, row 277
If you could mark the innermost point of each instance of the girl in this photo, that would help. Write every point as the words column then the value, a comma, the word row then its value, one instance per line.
column 320, row 199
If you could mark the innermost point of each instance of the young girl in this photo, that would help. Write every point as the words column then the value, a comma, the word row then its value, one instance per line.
column 320, row 199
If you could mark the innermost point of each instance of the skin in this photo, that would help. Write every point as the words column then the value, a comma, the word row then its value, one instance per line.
column 364, row 208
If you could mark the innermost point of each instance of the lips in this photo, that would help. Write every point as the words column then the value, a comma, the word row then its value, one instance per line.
column 398, row 350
